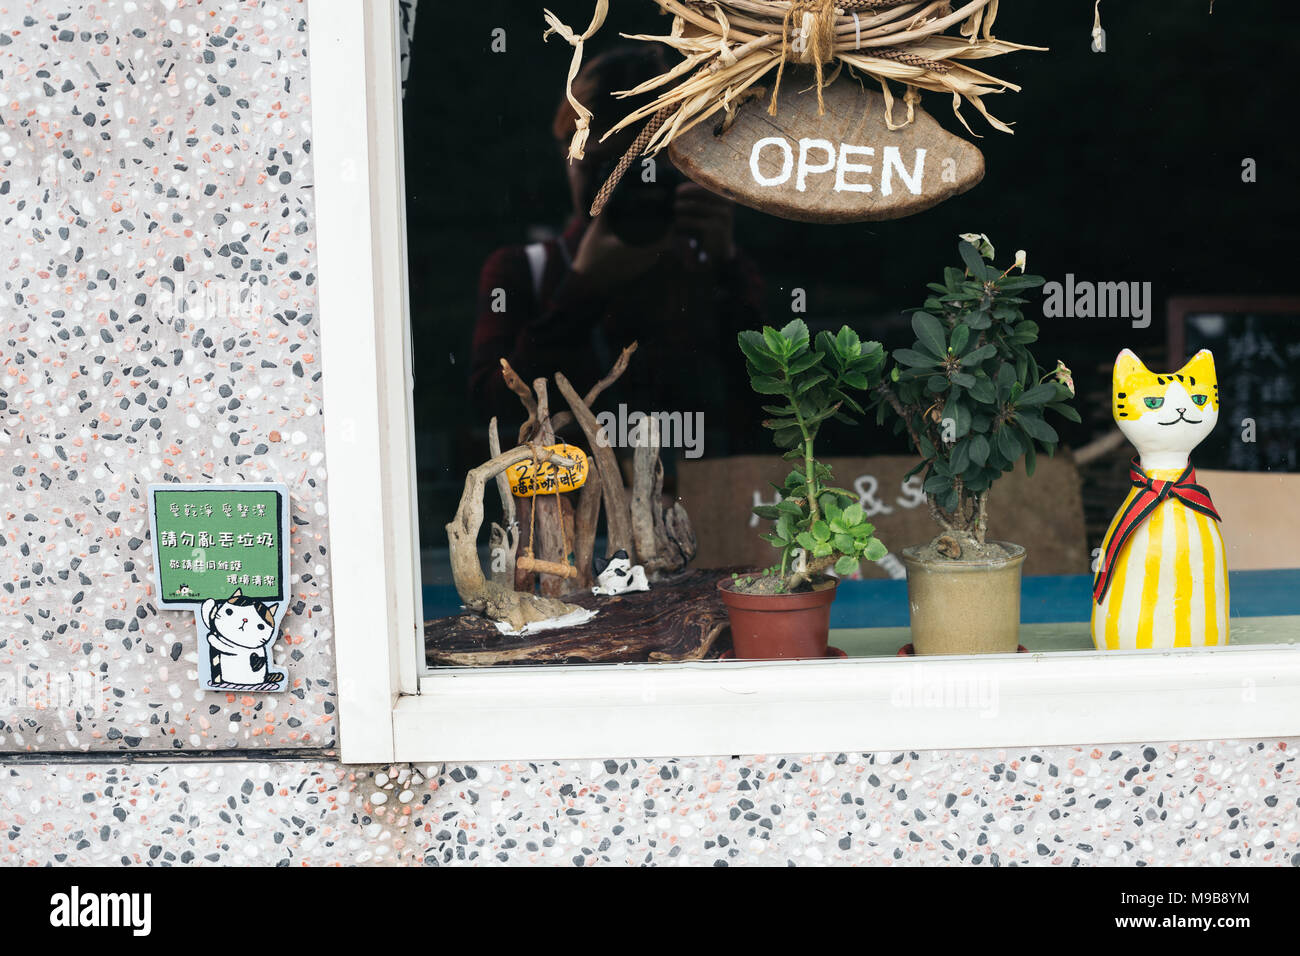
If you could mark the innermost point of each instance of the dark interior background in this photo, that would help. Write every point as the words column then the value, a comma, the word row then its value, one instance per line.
column 1125, row 166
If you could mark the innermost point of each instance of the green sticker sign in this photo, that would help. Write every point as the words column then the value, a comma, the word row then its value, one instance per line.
column 223, row 550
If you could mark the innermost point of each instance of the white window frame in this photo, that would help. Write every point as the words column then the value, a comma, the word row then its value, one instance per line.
column 390, row 710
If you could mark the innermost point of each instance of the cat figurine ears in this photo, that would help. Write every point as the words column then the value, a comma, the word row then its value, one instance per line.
column 618, row 575
column 599, row 564
column 1165, row 414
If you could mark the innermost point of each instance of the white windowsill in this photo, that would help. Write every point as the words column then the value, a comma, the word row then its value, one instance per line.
column 720, row 708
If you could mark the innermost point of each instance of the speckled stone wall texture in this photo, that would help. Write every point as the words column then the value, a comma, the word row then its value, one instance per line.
column 159, row 264
column 1226, row 803
column 158, row 272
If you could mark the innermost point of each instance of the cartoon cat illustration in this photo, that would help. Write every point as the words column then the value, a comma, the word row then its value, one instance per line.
column 240, row 633
column 1162, row 580
column 618, row 575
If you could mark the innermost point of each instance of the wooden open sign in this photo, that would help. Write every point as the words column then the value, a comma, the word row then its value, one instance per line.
column 844, row 166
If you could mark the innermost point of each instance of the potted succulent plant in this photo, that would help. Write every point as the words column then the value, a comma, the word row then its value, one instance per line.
column 972, row 398
column 784, row 612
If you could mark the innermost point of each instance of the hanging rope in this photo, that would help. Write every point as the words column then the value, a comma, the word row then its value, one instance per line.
column 531, row 564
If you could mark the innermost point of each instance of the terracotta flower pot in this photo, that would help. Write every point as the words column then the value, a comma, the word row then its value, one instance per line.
column 965, row 607
column 779, row 626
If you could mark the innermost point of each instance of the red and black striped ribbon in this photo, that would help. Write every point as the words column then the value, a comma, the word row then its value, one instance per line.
column 1152, row 492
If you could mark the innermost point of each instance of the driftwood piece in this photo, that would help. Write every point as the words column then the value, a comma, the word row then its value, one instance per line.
column 563, row 419
column 665, row 541
column 679, row 530
column 480, row 595
column 618, row 517
column 548, row 515
column 645, row 462
column 503, row 539
column 517, row 385
column 584, row 526
column 524, row 579
column 679, row 619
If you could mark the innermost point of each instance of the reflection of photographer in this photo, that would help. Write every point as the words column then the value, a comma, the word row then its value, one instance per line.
column 659, row 266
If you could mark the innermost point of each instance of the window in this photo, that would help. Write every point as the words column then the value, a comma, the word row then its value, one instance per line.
column 392, row 706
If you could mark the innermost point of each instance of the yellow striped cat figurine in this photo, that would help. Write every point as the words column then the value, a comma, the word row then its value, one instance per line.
column 1162, row 578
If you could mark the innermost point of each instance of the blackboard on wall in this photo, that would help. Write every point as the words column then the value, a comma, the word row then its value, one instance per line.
column 1256, row 346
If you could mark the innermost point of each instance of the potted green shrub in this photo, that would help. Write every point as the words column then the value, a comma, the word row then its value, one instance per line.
column 972, row 399
column 784, row 612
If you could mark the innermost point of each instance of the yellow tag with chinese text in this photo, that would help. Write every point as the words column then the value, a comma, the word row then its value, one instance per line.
column 529, row 478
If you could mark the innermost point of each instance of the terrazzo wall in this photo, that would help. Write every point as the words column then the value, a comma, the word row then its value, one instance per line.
column 158, row 255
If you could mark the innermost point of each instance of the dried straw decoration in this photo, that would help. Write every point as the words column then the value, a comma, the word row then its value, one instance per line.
column 729, row 45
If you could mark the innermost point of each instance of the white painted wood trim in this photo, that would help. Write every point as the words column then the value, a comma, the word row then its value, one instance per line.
column 374, row 581
column 720, row 708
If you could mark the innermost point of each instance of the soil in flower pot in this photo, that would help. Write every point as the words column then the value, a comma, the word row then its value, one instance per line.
column 969, row 605
column 789, row 626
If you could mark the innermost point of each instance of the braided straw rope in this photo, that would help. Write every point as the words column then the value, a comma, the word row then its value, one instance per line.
column 727, row 46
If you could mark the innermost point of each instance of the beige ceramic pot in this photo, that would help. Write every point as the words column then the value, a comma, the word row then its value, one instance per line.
column 965, row 607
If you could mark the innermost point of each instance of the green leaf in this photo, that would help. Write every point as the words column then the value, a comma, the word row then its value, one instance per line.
column 936, row 484
column 821, row 530
column 853, row 515
column 848, row 343
column 960, row 457
column 973, row 260
column 930, row 334
column 960, row 336
column 846, row 565
column 979, row 449
column 1016, row 283
column 1008, row 444
column 767, row 512
column 806, row 541
column 796, row 332
column 1038, row 395
column 1037, row 428
column 1065, row 411
column 756, row 350
column 915, row 359
column 788, row 438
column 875, row 550
column 804, row 362
column 983, row 391
column 979, row 355
column 815, row 378
column 785, row 527
column 844, row 543
column 767, row 385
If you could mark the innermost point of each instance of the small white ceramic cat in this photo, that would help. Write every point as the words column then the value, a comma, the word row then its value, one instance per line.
column 240, row 632
column 618, row 575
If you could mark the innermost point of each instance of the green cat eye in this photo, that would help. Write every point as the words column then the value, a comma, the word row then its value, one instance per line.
column 1154, row 402
column 1200, row 400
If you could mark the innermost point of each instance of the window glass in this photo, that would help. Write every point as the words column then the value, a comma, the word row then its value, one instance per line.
column 1136, row 176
